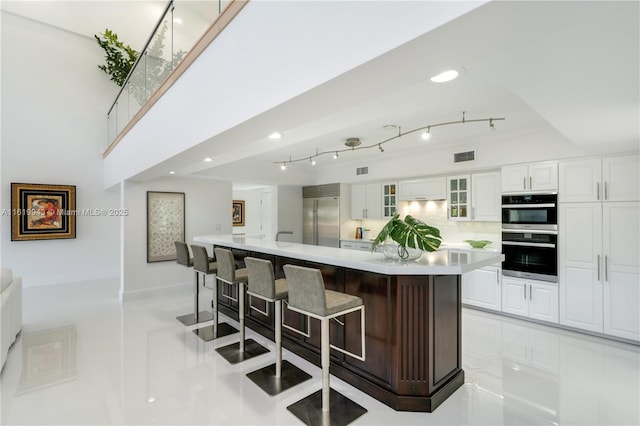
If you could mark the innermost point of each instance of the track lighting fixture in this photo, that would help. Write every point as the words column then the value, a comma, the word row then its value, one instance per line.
column 283, row 167
column 354, row 144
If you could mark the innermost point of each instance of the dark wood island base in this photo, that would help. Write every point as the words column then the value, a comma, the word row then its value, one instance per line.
column 413, row 333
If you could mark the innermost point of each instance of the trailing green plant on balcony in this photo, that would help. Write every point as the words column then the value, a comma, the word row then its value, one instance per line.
column 119, row 57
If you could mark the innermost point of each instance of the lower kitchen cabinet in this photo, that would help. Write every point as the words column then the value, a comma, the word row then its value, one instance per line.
column 482, row 288
column 529, row 298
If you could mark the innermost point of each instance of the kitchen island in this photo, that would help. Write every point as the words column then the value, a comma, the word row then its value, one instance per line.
column 413, row 316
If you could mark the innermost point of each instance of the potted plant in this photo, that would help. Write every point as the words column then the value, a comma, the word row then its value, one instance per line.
column 411, row 236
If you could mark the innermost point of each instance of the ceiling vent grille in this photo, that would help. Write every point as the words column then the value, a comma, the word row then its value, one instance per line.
column 459, row 157
column 362, row 171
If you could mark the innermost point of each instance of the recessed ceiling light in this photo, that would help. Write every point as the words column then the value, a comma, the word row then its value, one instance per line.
column 208, row 159
column 275, row 135
column 172, row 172
column 445, row 76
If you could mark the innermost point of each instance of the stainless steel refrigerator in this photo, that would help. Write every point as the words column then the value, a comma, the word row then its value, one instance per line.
column 321, row 215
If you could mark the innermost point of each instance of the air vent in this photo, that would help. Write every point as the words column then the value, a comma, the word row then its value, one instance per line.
column 327, row 190
column 464, row 156
column 362, row 171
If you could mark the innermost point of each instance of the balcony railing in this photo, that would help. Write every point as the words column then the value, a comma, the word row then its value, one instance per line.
column 180, row 27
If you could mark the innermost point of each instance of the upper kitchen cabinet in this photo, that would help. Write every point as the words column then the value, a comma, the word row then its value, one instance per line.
column 595, row 179
column 459, row 188
column 366, row 201
column 423, row 189
column 485, row 197
column 389, row 199
column 530, row 177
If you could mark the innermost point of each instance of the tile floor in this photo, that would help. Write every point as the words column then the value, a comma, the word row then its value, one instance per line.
column 85, row 359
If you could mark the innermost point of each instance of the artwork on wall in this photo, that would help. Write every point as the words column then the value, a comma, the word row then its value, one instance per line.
column 165, row 224
column 237, row 212
column 42, row 212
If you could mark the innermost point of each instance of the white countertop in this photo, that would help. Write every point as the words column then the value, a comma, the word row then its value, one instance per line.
column 442, row 262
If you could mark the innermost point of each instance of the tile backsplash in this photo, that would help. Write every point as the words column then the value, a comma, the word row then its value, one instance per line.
column 433, row 213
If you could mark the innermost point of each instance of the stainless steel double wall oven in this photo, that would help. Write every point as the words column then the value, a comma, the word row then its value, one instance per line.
column 530, row 236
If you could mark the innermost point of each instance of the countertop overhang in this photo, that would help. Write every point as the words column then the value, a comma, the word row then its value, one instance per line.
column 442, row 262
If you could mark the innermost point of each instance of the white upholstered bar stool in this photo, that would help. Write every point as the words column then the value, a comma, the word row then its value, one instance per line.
column 227, row 273
column 183, row 258
column 202, row 263
column 308, row 296
column 278, row 377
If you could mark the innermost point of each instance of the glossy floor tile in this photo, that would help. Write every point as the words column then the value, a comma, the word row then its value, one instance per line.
column 83, row 358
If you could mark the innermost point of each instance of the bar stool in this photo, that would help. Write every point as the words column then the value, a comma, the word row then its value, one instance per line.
column 202, row 263
column 183, row 258
column 308, row 296
column 278, row 377
column 227, row 273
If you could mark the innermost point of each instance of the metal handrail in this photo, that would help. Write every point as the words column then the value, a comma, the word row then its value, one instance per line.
column 141, row 54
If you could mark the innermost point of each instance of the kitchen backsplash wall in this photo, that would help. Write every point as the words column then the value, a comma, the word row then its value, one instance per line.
column 433, row 213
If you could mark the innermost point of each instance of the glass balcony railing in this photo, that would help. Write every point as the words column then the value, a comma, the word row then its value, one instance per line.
column 181, row 25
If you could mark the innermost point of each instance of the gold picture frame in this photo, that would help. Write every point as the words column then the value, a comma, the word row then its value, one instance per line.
column 42, row 211
column 237, row 212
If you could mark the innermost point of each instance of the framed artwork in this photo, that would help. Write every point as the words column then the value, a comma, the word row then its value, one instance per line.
column 237, row 212
column 42, row 212
column 165, row 224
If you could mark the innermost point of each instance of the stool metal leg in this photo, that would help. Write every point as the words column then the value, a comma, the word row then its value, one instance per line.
column 197, row 316
column 325, row 352
column 238, row 352
column 277, row 378
column 215, row 330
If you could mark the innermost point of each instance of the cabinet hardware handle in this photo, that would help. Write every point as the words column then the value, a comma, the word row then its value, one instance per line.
column 606, row 268
column 524, row 182
column 530, row 292
column 598, row 191
column 524, row 287
column 606, row 195
column 473, row 212
column 530, row 182
column 598, row 267
column 497, row 276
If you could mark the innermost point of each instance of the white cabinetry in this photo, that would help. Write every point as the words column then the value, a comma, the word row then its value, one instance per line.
column 533, row 299
column 595, row 179
column 355, row 245
column 459, row 199
column 485, row 197
column 389, row 199
column 482, row 288
column 530, row 177
column 366, row 201
column 423, row 189
column 600, row 267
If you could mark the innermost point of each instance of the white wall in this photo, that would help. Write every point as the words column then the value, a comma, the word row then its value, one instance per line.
column 252, row 218
column 207, row 211
column 289, row 202
column 54, row 101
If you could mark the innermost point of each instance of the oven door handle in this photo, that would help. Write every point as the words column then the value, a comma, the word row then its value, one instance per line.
column 528, row 231
column 516, row 243
column 528, row 206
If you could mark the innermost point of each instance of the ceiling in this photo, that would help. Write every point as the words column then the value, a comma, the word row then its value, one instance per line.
column 568, row 67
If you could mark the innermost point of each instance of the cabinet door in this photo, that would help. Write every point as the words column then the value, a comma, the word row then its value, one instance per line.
column 543, row 177
column 389, row 199
column 459, row 197
column 543, row 302
column 373, row 209
column 621, row 247
column 580, row 245
column 514, row 297
column 423, row 189
column 621, row 178
column 580, row 180
column 485, row 197
column 348, row 245
column 514, row 178
column 358, row 201
column 486, row 292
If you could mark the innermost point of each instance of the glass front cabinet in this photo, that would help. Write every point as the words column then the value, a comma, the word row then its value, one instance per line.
column 389, row 199
column 459, row 197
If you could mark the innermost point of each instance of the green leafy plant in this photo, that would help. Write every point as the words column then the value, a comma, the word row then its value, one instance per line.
column 119, row 57
column 410, row 232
